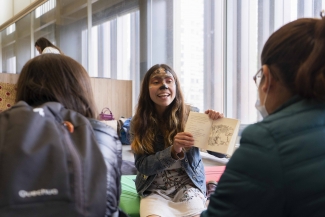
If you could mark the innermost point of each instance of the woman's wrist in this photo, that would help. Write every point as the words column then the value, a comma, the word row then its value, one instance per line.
column 177, row 155
column 176, row 148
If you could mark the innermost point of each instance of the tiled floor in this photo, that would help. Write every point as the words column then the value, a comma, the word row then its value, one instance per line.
column 208, row 159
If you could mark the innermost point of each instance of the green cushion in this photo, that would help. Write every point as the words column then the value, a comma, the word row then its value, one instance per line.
column 130, row 200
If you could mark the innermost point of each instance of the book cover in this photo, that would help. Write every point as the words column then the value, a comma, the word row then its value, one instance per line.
column 215, row 135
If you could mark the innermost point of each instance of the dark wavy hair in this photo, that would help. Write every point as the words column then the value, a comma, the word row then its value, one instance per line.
column 146, row 123
column 43, row 43
column 58, row 78
column 295, row 54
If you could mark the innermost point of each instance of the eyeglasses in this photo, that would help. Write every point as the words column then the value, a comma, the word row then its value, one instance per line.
column 258, row 77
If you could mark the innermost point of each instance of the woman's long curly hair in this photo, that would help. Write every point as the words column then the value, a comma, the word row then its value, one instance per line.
column 146, row 123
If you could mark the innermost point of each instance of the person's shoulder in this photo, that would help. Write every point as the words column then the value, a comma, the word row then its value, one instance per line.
column 100, row 127
column 51, row 50
column 257, row 134
column 253, row 128
column 194, row 109
column 191, row 108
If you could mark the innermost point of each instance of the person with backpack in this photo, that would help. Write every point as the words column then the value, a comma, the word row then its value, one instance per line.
column 59, row 78
column 170, row 178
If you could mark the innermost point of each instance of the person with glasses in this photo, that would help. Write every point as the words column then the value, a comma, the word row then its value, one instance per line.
column 278, row 170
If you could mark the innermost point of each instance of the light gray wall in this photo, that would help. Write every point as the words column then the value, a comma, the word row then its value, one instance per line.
column 9, row 8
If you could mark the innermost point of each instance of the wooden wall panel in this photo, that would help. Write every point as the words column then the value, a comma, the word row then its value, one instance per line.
column 115, row 94
column 9, row 78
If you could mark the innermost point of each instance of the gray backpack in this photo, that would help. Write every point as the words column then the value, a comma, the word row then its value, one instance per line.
column 50, row 163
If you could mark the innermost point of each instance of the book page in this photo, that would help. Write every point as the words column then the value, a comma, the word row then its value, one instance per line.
column 199, row 125
column 223, row 135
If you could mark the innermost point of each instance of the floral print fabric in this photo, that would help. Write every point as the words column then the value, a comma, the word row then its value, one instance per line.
column 7, row 95
column 173, row 194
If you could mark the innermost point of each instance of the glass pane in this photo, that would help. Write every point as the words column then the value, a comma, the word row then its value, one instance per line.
column 103, row 45
column 62, row 22
column 124, row 47
column 23, row 39
column 242, row 59
column 15, row 45
column 71, row 29
column 199, row 45
column 191, row 51
column 8, row 61
column 249, row 24
column 114, row 39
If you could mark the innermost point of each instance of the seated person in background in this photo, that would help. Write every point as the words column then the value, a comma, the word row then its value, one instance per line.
column 170, row 179
column 59, row 78
column 45, row 46
column 278, row 170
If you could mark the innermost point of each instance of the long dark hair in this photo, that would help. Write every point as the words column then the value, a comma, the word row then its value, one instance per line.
column 146, row 123
column 295, row 54
column 43, row 43
column 58, row 78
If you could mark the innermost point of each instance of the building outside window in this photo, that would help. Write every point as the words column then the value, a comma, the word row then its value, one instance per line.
column 213, row 45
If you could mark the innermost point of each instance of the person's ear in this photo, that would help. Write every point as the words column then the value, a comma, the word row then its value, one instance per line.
column 267, row 79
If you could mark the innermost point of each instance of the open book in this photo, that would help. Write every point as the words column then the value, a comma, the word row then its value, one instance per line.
column 219, row 135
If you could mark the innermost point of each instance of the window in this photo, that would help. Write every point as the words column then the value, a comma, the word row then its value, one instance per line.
column 213, row 45
column 11, row 29
column 221, row 45
column 112, row 46
column 249, row 24
column 49, row 5
column 11, row 63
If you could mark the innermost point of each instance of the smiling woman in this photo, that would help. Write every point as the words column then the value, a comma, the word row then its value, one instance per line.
column 170, row 176
column 162, row 89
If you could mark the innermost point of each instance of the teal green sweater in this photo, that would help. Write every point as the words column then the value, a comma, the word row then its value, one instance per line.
column 279, row 168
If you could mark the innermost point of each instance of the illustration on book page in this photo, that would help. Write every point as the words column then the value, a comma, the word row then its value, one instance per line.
column 220, row 135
